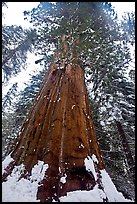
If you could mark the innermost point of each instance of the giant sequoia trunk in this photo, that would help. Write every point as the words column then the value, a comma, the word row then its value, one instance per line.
column 59, row 131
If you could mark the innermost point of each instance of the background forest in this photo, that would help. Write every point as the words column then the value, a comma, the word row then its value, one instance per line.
column 106, row 53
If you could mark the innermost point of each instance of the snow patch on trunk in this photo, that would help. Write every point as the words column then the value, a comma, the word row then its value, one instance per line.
column 89, row 164
column 6, row 162
column 63, row 179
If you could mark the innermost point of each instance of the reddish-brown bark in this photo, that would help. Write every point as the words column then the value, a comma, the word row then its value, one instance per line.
column 60, row 132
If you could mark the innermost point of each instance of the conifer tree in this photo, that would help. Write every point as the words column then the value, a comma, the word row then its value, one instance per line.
column 59, row 130
column 16, row 43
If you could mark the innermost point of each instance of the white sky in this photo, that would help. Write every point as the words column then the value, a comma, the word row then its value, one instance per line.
column 13, row 15
column 15, row 11
column 122, row 7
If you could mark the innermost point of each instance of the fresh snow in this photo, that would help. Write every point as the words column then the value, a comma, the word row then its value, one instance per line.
column 110, row 189
column 82, row 196
column 81, row 146
column 63, row 179
column 96, row 195
column 58, row 99
column 6, row 162
column 90, row 166
column 25, row 190
column 102, row 123
column 94, row 158
column 103, row 109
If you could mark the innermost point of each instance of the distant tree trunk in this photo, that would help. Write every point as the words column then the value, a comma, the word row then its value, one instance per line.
column 59, row 131
column 127, row 150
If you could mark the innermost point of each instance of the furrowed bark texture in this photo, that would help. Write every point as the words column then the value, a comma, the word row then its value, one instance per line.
column 60, row 132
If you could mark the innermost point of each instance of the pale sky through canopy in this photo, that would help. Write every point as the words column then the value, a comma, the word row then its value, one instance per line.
column 122, row 7
column 13, row 15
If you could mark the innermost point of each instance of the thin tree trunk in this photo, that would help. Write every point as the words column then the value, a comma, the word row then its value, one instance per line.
column 60, row 131
column 127, row 150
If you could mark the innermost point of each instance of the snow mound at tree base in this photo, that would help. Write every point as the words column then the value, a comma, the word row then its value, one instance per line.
column 25, row 190
column 97, row 195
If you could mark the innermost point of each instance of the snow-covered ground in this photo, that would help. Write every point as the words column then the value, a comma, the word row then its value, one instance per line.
column 25, row 190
